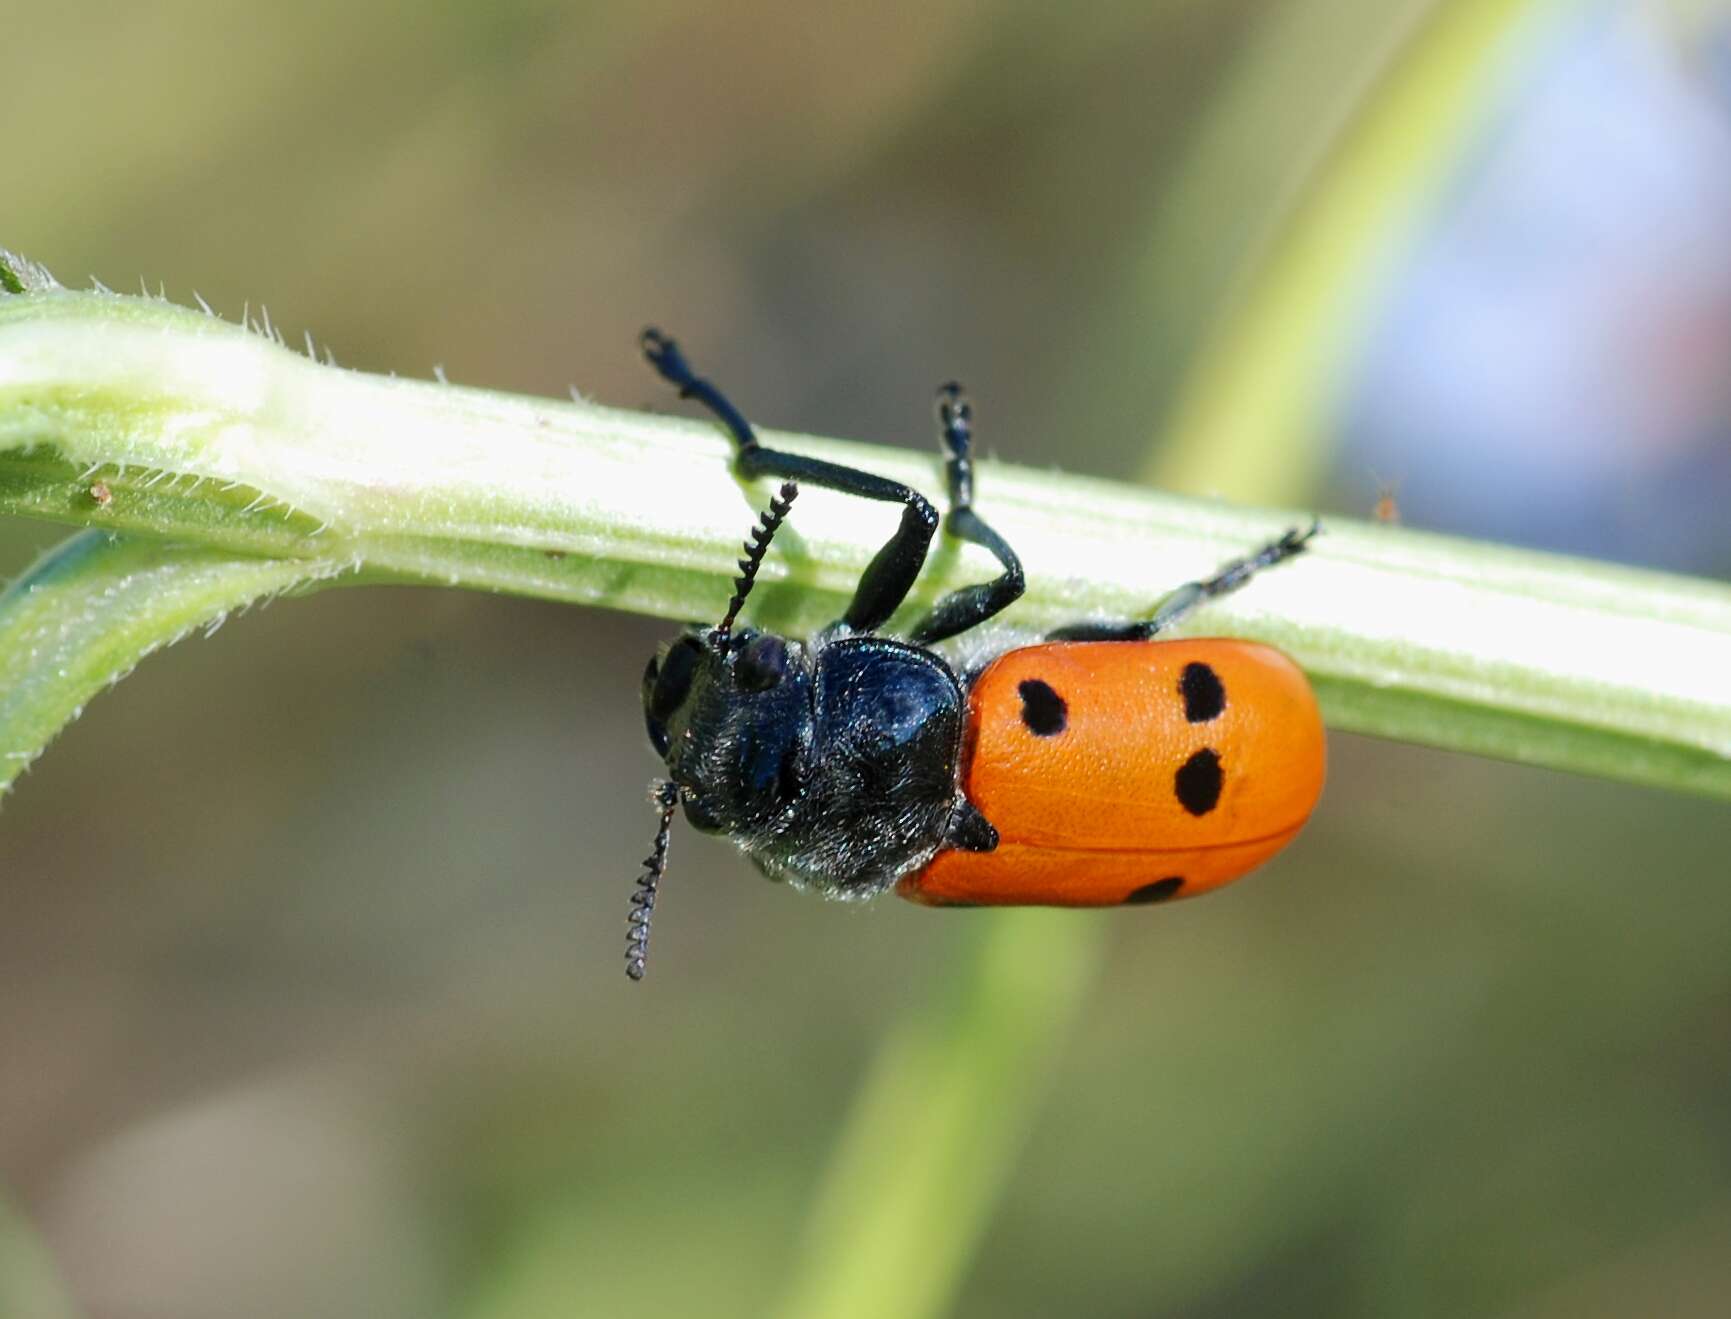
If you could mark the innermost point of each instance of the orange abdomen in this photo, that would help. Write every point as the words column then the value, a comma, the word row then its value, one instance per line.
column 1130, row 772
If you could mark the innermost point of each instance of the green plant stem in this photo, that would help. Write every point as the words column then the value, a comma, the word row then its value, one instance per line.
column 205, row 433
column 30, row 1287
column 1260, row 401
column 938, row 1125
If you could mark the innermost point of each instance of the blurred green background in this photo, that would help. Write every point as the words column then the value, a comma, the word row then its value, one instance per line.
column 310, row 933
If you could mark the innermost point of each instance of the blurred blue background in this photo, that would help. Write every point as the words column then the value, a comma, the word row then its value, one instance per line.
column 310, row 991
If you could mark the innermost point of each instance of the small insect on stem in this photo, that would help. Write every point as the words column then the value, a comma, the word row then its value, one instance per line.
column 100, row 494
column 1386, row 510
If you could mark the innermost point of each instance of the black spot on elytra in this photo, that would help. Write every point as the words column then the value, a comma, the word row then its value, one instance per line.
column 1198, row 782
column 1043, row 710
column 1158, row 891
column 1204, row 697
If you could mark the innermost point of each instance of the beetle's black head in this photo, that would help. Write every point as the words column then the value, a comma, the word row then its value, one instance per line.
column 731, row 714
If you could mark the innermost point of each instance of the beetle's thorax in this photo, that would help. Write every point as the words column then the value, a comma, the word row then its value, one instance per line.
column 840, row 775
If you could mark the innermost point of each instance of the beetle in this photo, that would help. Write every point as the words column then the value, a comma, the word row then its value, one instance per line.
column 1096, row 768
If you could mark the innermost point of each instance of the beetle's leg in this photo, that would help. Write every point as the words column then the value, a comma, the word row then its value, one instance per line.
column 971, row 605
column 890, row 575
column 1191, row 594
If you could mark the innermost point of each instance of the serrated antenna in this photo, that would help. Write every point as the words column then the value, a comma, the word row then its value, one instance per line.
column 755, row 549
column 664, row 797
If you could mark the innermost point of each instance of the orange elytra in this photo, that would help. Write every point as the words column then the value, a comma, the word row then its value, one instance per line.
column 1129, row 772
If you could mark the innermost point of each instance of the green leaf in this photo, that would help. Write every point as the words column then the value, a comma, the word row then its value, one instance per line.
column 88, row 611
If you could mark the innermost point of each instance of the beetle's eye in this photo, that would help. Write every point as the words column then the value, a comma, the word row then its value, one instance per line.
column 657, row 730
column 699, row 816
column 761, row 663
column 672, row 681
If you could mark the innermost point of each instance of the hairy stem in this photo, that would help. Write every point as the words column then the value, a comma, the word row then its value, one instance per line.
column 135, row 415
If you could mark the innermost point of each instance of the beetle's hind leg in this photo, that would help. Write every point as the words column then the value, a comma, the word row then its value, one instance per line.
column 1187, row 597
column 971, row 605
column 890, row 575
